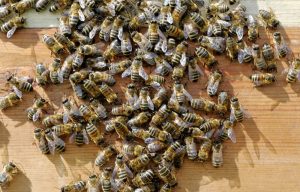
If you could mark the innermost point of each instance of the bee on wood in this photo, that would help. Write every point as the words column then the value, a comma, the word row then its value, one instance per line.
column 8, row 172
column 144, row 101
column 281, row 48
column 77, row 186
column 206, row 57
column 268, row 18
column 41, row 5
column 34, row 112
column 104, row 155
column 41, row 141
column 260, row 79
column 23, row 5
column 258, row 59
column 213, row 83
column 42, row 74
column 293, row 73
column 54, row 46
column 55, row 143
column 10, row 100
column 10, row 26
column 180, row 94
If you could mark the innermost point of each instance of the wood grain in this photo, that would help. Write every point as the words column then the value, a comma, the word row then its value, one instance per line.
column 265, row 157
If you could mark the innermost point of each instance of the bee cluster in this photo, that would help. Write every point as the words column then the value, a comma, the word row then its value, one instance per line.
column 98, row 40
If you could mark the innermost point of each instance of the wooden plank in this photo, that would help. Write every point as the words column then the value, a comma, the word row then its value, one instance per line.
column 265, row 157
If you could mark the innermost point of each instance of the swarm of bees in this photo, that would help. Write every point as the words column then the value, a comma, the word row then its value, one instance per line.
column 159, row 125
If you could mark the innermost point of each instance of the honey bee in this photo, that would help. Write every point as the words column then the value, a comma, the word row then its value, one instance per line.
column 259, row 61
column 180, row 94
column 253, row 33
column 244, row 53
column 126, row 46
column 97, row 63
column 141, row 41
column 106, row 179
column 194, row 71
column 8, row 172
column 144, row 101
column 91, row 50
column 112, row 50
column 55, row 143
column 119, row 67
column 63, row 129
column 123, row 110
column 155, row 81
column 55, row 75
column 268, row 18
column 140, row 133
column 154, row 145
column 165, row 188
column 160, row 116
column 143, row 178
column 20, row 84
column 219, row 7
column 193, row 119
column 10, row 100
column 140, row 162
column 130, row 94
column 77, row 186
column 179, row 157
column 108, row 93
column 140, row 119
column 151, row 8
column 40, row 140
column 281, row 49
column 175, row 106
column 121, row 170
column 79, row 76
column 105, row 28
column 214, row 80
column 191, row 32
column 170, row 152
column 162, row 67
column 179, row 55
column 64, row 27
column 223, row 103
column 89, row 14
column 77, row 59
column 91, row 88
column 75, row 14
column 10, row 26
column 110, row 124
column 22, row 6
column 159, row 134
column 231, row 48
column 59, row 5
column 133, row 149
column 160, row 97
column 137, row 21
column 198, row 20
column 203, row 105
column 71, row 110
column 65, row 41
column 165, row 16
column 90, row 28
column 205, row 57
column 117, row 28
column 178, row 13
column 216, row 44
column 80, row 38
column 5, row 10
column 122, row 130
column 52, row 120
column 210, row 124
column 93, row 183
column 167, row 175
column 191, row 148
column 217, row 155
column 172, row 129
column 79, row 136
column 293, row 73
column 42, row 74
column 226, row 132
column 98, row 108
column 269, row 56
column 136, row 70
column 88, row 113
column 54, row 46
column 94, row 133
column 99, row 77
column 34, row 112
column 237, row 113
column 260, row 79
column 204, row 150
column 153, row 32
column 173, row 31
column 104, row 155
column 41, row 5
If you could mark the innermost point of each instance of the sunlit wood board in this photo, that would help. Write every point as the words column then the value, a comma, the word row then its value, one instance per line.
column 265, row 157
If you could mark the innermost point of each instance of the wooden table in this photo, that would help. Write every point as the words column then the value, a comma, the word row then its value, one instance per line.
column 265, row 157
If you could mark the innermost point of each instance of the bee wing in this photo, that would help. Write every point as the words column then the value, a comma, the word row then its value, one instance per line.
column 111, row 8
column 241, row 55
column 166, row 2
column 81, row 3
column 240, row 32
column 231, row 117
column 81, row 15
column 149, row 140
column 93, row 32
column 169, row 18
column 164, row 46
column 60, row 77
column 126, row 73
column 120, row 33
column 246, row 113
column 114, row 172
column 72, row 137
column 150, row 103
column 17, row 92
column 155, row 85
column 143, row 73
column 210, row 30
column 187, row 28
column 137, row 104
column 36, row 116
column 218, row 43
column 65, row 117
column 11, row 32
column 187, row 94
column 231, row 135
column 183, row 59
column 85, row 137
column 225, row 24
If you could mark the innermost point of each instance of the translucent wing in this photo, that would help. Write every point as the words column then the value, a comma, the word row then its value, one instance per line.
column 187, row 28
column 169, row 18
column 120, row 33
column 150, row 103
column 155, row 85
column 210, row 30
column 106, row 36
column 82, row 3
column 126, row 73
column 93, row 32
column 65, row 117
column 218, row 44
column 183, row 59
column 129, row 172
column 111, row 8
column 225, row 24
column 72, row 137
column 240, row 32
column 187, row 94
column 85, row 137
column 166, row 2
column 164, row 46
column 114, row 172
column 231, row 135
column 241, row 56
column 11, row 32
column 143, row 73
column 60, row 77
column 36, row 116
column 17, row 92
column 81, row 15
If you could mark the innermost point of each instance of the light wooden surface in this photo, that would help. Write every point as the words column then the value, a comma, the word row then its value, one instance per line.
column 265, row 157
